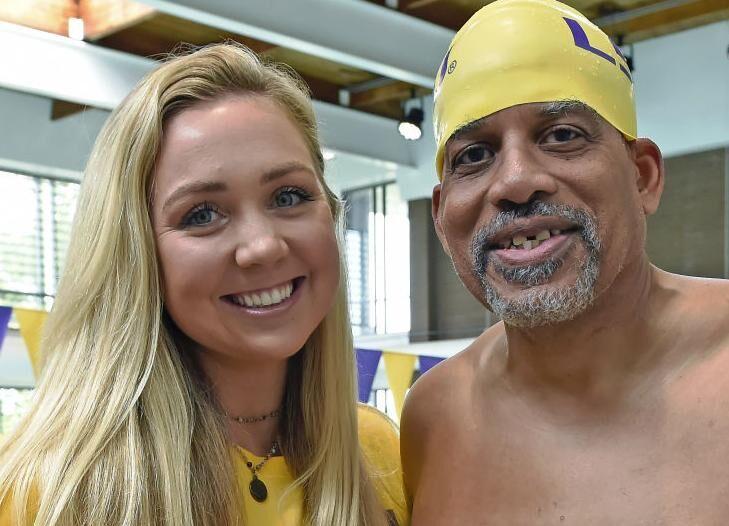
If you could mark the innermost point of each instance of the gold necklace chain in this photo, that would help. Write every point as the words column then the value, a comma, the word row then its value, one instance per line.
column 255, row 419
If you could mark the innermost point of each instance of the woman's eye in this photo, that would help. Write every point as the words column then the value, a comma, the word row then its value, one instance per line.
column 562, row 135
column 291, row 197
column 475, row 153
column 200, row 216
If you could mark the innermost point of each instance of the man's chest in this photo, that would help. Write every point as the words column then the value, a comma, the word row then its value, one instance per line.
column 668, row 468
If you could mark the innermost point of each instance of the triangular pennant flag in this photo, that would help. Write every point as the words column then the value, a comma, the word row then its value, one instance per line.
column 367, row 362
column 399, row 368
column 4, row 319
column 31, row 325
column 428, row 362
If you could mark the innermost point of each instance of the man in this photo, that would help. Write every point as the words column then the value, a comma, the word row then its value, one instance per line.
column 603, row 396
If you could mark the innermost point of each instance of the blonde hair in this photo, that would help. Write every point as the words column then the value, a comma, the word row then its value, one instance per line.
column 121, row 432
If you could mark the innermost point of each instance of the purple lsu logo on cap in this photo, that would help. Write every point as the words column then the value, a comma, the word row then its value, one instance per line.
column 580, row 39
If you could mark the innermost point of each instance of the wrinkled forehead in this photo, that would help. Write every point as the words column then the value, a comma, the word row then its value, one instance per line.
column 543, row 110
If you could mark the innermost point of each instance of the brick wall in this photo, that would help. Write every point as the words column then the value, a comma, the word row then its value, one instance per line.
column 687, row 233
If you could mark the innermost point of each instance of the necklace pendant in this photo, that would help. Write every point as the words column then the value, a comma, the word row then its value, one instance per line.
column 258, row 489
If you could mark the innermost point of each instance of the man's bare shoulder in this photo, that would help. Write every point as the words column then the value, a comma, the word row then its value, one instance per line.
column 437, row 398
column 439, row 385
column 703, row 302
column 695, row 311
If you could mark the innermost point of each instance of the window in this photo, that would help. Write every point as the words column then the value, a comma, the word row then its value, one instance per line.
column 14, row 403
column 378, row 259
column 35, row 223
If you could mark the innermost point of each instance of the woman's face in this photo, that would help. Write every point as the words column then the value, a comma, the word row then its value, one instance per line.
column 245, row 236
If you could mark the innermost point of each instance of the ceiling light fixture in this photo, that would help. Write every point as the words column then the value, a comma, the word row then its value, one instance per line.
column 410, row 126
column 76, row 28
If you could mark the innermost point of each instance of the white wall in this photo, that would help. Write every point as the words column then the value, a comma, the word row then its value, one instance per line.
column 682, row 89
column 28, row 135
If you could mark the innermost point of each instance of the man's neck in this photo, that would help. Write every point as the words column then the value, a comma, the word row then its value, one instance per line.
column 603, row 353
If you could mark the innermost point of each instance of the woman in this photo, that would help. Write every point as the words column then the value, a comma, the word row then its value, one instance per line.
column 199, row 366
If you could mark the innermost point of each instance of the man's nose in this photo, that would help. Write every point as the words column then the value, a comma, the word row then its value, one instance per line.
column 259, row 243
column 520, row 178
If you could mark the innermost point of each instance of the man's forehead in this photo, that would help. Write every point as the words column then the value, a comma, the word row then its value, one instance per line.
column 545, row 110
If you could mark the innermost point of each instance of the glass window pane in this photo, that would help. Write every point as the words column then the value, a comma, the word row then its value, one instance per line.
column 35, row 220
column 397, row 262
column 21, row 271
column 358, row 238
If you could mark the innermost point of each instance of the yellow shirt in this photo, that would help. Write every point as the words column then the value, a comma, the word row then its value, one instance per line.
column 380, row 444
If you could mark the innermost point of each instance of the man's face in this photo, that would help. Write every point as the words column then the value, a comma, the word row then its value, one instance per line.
column 540, row 208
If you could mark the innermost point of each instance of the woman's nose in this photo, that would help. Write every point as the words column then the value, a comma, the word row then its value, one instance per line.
column 260, row 243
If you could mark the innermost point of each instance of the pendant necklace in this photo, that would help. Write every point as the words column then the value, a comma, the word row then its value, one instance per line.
column 257, row 488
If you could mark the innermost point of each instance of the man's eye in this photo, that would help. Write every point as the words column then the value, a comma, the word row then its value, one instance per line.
column 201, row 215
column 289, row 197
column 475, row 153
column 562, row 135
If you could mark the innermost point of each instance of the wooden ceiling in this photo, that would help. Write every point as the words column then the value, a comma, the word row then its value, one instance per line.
column 132, row 27
column 633, row 20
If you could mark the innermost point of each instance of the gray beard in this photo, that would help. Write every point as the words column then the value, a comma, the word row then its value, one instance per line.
column 539, row 305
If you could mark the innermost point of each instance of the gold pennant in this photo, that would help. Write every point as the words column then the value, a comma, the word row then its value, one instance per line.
column 31, row 327
column 399, row 368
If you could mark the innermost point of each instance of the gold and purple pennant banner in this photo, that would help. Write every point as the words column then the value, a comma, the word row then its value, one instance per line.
column 399, row 368
column 5, row 313
column 428, row 362
column 31, row 327
column 367, row 362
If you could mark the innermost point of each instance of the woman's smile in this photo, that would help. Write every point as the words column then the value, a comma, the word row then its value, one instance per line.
column 269, row 301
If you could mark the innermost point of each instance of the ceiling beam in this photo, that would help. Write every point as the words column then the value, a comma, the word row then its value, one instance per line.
column 662, row 17
column 104, row 17
column 395, row 91
column 632, row 14
column 417, row 4
column 351, row 32
column 60, row 68
column 62, row 108
column 45, row 15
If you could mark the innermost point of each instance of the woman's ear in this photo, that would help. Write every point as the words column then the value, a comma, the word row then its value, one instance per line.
column 650, row 173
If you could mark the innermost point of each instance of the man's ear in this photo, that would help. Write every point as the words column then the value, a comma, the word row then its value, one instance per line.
column 435, row 208
column 650, row 173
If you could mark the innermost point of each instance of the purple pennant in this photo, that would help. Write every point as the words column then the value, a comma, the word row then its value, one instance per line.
column 427, row 362
column 4, row 319
column 367, row 362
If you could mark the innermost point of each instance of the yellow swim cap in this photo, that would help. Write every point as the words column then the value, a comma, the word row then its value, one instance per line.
column 519, row 51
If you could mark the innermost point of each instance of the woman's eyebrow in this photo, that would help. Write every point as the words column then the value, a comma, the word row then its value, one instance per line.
column 284, row 169
column 193, row 188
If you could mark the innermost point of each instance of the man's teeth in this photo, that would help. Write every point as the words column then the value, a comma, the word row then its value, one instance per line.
column 528, row 243
column 264, row 298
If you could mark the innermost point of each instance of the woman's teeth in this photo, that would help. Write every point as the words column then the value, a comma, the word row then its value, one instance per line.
column 264, row 298
column 527, row 243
